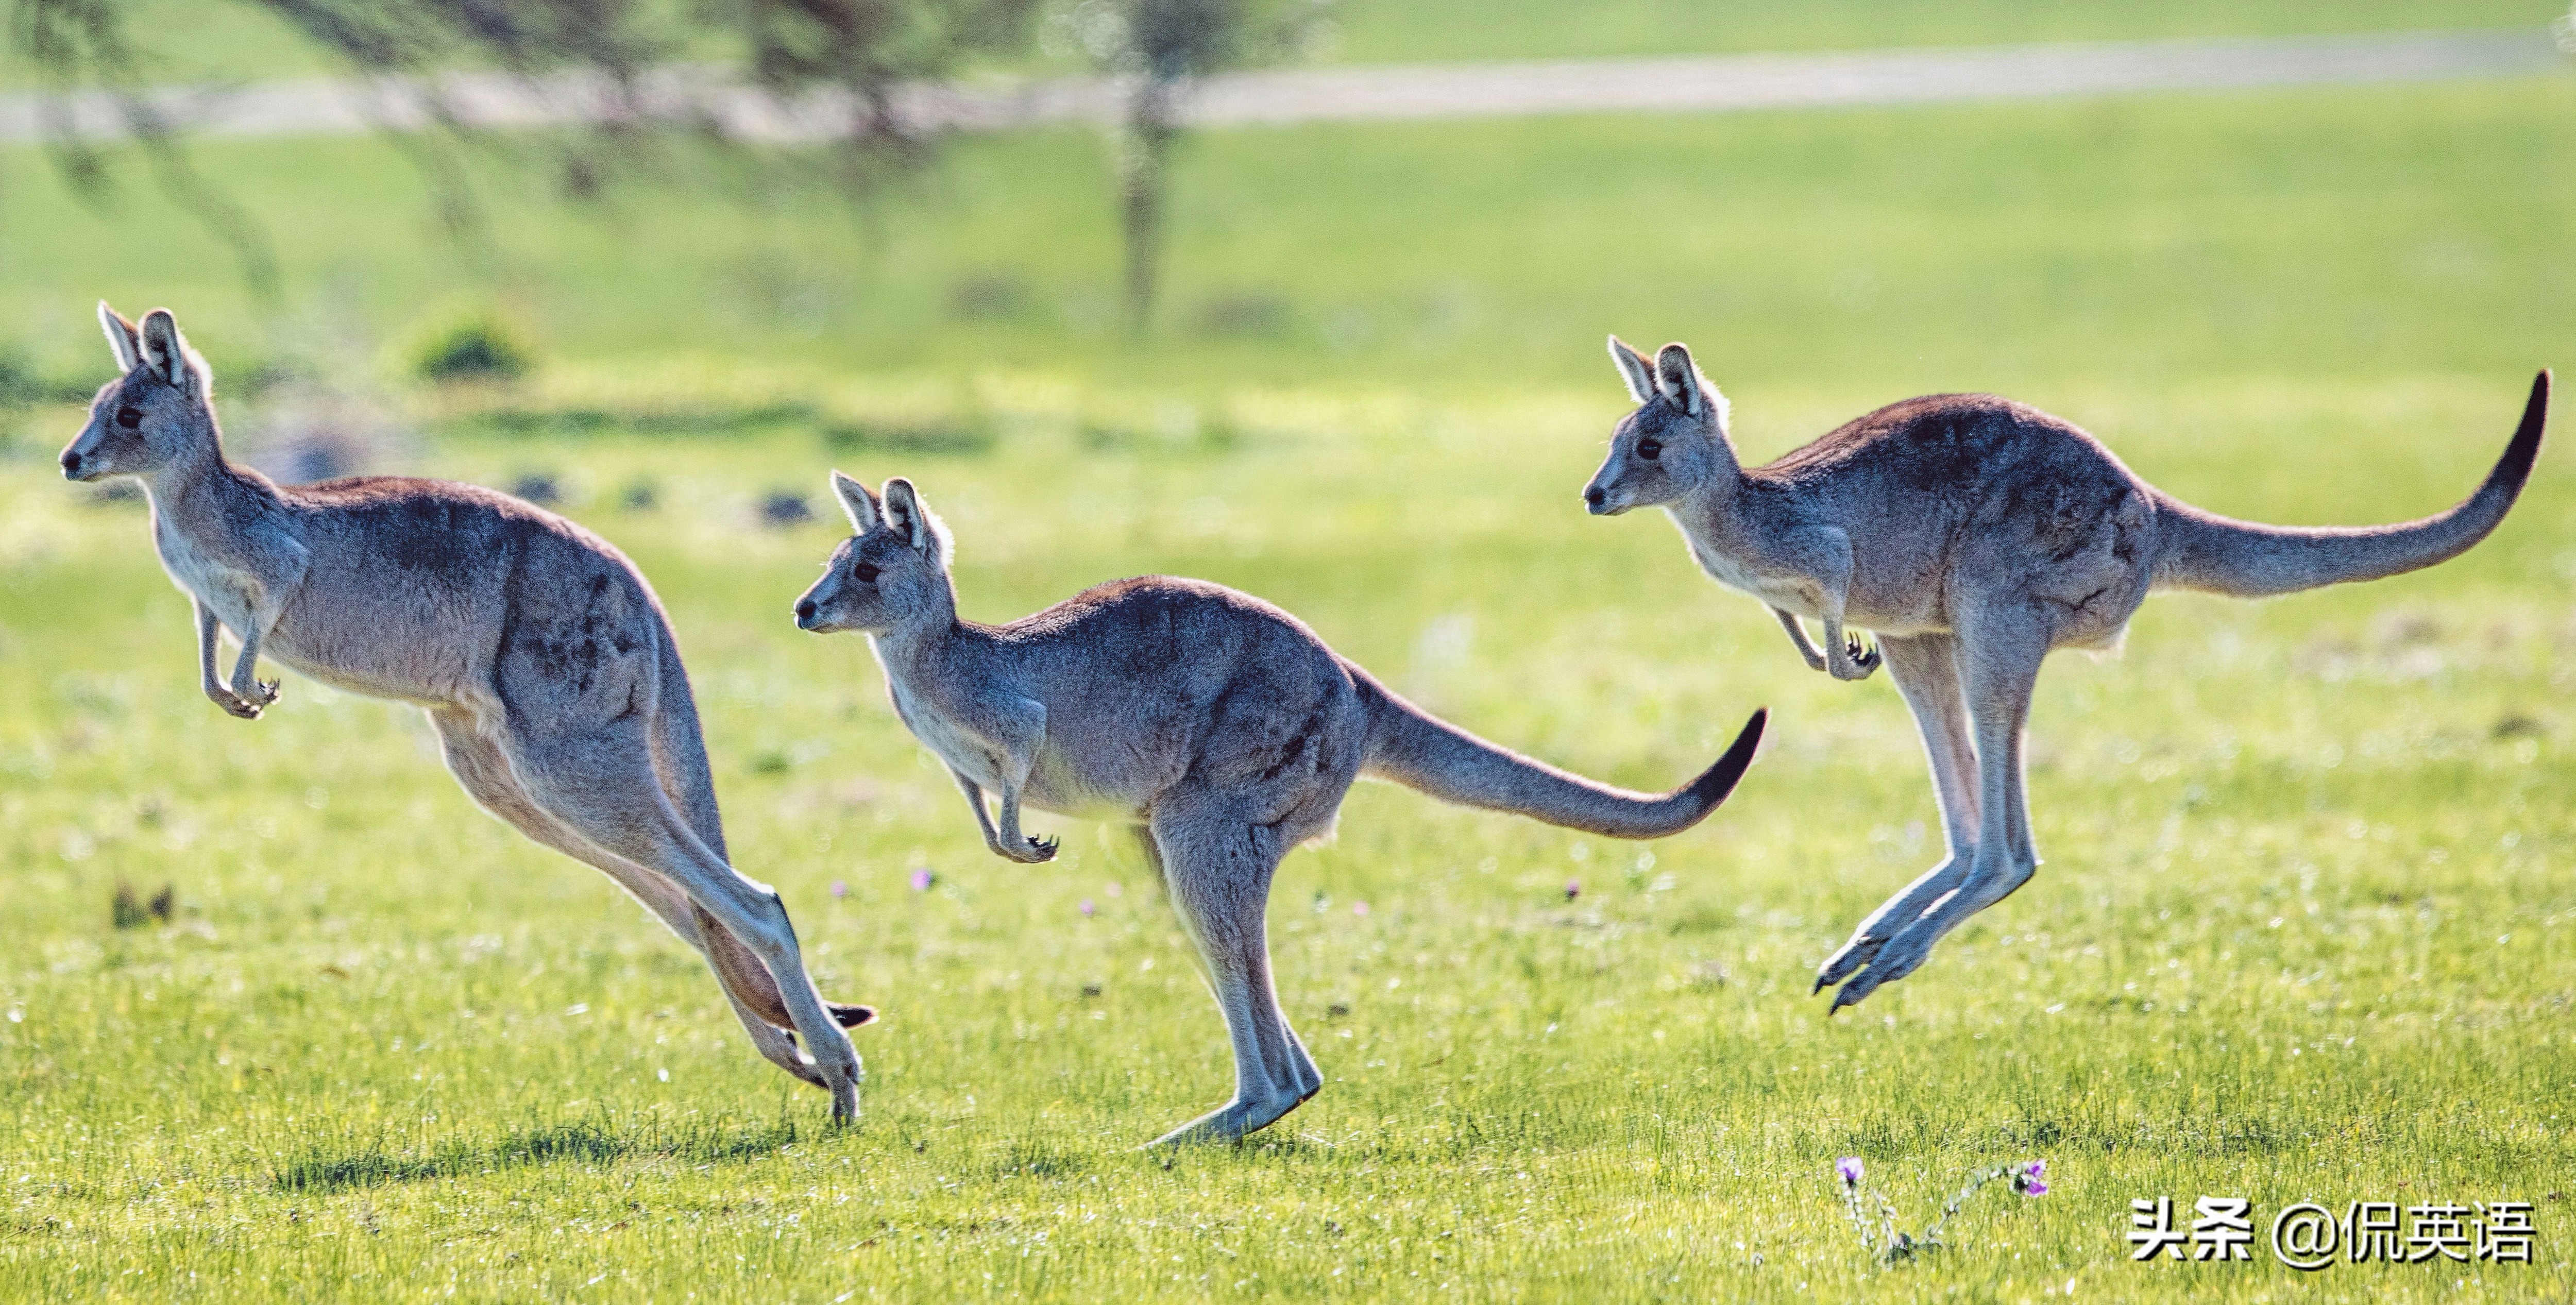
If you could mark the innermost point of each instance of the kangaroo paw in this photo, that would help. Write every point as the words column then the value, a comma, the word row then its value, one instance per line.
column 1856, row 662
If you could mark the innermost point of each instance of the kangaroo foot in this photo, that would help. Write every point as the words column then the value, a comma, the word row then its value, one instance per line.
column 1841, row 964
column 1893, row 960
column 1233, row 1121
column 1893, row 917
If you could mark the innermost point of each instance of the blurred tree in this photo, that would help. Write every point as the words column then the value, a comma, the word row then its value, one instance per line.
column 1158, row 48
column 829, row 70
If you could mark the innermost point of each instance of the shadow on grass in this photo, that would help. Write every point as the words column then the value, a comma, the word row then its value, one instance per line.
column 323, row 1171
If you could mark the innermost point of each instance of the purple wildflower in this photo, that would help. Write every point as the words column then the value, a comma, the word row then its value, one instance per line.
column 840, row 889
column 1359, row 908
column 1086, row 908
column 2028, row 1180
column 1573, row 889
column 922, row 879
column 1849, row 1168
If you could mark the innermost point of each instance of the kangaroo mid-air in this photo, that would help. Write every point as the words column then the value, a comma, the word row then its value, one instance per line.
column 1218, row 727
column 1970, row 535
column 542, row 657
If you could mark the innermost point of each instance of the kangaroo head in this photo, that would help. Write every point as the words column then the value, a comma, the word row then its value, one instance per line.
column 893, row 572
column 160, row 411
column 1674, row 443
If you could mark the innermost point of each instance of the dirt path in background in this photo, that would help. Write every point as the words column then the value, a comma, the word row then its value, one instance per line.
column 1696, row 84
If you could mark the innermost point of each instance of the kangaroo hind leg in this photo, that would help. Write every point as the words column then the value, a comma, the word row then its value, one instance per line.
column 600, row 782
column 1217, row 865
column 680, row 764
column 1926, row 670
column 2000, row 666
column 480, row 767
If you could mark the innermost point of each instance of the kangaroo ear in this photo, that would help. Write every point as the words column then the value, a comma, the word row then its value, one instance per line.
column 1634, row 369
column 121, row 338
column 1678, row 378
column 858, row 502
column 906, row 513
column 166, row 351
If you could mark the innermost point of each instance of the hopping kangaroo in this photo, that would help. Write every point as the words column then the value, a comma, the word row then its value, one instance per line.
column 1219, row 728
column 542, row 657
column 1971, row 535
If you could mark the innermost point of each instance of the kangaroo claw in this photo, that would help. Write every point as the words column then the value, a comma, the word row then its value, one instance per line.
column 1041, row 850
column 1841, row 964
column 1857, row 662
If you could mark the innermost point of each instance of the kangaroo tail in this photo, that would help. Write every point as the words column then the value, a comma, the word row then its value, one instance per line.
column 2215, row 554
column 1428, row 755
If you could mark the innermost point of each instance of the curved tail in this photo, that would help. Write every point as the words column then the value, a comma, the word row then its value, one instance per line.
column 1428, row 755
column 2215, row 554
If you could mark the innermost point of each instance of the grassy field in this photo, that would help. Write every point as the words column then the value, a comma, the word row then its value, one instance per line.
column 2307, row 928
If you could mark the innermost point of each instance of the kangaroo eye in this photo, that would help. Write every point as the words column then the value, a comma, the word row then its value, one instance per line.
column 129, row 418
column 866, row 572
column 1650, row 449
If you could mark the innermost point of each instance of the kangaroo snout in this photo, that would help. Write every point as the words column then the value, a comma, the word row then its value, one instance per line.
column 71, row 464
column 1596, row 501
column 805, row 610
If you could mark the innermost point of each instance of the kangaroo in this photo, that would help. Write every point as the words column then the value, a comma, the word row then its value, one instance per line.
column 543, row 659
column 1971, row 535
column 1217, row 727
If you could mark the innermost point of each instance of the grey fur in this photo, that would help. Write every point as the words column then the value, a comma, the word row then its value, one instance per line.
column 545, row 663
column 1973, row 536
column 1219, row 728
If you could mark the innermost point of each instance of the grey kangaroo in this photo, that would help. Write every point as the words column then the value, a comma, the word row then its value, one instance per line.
column 1971, row 535
column 1216, row 726
column 542, row 657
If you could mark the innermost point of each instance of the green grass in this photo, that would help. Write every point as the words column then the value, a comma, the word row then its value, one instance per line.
column 2307, row 927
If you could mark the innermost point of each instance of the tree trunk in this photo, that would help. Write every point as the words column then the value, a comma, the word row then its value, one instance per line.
column 1141, row 160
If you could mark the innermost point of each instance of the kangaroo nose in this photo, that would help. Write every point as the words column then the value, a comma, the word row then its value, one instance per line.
column 804, row 609
column 71, row 463
column 1592, row 496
